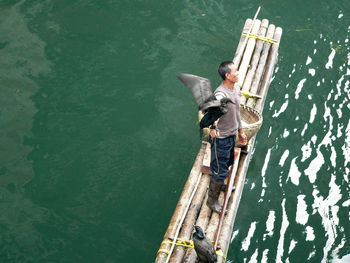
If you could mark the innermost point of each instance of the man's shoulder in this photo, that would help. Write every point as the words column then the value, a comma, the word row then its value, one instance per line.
column 220, row 92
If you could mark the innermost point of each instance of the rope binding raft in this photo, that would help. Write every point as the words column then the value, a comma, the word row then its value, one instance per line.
column 265, row 39
column 186, row 243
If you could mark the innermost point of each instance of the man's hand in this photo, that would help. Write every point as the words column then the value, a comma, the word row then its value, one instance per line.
column 214, row 133
column 243, row 140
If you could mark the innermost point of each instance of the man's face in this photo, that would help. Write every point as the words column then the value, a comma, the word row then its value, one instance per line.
column 233, row 75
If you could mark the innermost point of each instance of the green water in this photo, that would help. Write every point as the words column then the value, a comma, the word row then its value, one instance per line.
column 98, row 136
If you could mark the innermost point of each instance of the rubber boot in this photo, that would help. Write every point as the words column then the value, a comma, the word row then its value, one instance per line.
column 213, row 195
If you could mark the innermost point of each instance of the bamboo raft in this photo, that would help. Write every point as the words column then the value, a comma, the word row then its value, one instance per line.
column 256, row 62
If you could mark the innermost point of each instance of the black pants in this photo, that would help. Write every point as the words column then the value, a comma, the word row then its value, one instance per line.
column 222, row 156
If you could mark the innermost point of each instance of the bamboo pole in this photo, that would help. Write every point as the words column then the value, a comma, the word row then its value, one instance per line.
column 242, row 46
column 261, row 67
column 239, row 51
column 255, row 60
column 248, row 53
column 181, row 205
column 270, row 66
column 202, row 221
column 213, row 222
column 193, row 211
column 228, row 193
column 233, row 204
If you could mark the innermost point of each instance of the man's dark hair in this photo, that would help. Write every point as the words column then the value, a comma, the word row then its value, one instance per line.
column 224, row 68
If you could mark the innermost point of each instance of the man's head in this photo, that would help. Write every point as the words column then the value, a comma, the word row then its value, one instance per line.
column 228, row 70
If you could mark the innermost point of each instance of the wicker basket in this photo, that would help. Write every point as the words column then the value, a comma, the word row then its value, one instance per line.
column 251, row 122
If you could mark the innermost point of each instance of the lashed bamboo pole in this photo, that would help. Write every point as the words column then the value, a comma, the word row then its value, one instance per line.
column 233, row 204
column 261, row 67
column 228, row 194
column 181, row 205
column 202, row 221
column 248, row 54
column 203, row 218
column 193, row 212
column 213, row 222
column 270, row 66
column 255, row 60
column 239, row 51
column 242, row 46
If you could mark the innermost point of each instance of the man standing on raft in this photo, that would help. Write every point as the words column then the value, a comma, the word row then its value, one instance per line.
column 223, row 133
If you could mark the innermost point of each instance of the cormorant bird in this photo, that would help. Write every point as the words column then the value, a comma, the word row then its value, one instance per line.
column 203, row 247
column 203, row 94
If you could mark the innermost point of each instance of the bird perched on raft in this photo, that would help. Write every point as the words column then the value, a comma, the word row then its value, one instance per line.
column 203, row 247
column 212, row 108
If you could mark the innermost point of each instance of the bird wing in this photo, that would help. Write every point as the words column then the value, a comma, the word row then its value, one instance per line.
column 200, row 87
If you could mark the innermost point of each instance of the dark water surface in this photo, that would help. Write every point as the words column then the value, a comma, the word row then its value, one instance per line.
column 98, row 136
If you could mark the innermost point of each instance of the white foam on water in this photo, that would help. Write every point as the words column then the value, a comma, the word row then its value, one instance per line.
column 314, row 139
column 301, row 214
column 264, row 256
column 346, row 174
column 339, row 85
column 234, row 234
column 266, row 162
column 311, row 255
column 285, row 133
column 346, row 146
column 284, row 226
column 282, row 109
column 254, row 257
column 340, row 113
column 333, row 157
column 283, row 158
column 312, row 72
column 292, row 245
column 299, row 88
column 315, row 166
column 270, row 223
column 308, row 60
column 328, row 210
column 246, row 241
column 310, row 236
column 313, row 113
column 346, row 203
column 335, row 252
column 330, row 59
column 305, row 128
column 294, row 173
column 306, row 150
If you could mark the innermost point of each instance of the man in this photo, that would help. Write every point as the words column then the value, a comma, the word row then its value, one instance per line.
column 223, row 133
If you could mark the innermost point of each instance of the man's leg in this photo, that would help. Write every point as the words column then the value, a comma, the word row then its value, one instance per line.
column 220, row 158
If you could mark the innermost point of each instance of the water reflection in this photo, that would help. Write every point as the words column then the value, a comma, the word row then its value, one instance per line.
column 22, row 59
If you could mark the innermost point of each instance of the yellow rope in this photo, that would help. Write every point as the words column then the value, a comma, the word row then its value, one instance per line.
column 265, row 39
column 250, row 95
column 181, row 242
column 221, row 253
column 186, row 243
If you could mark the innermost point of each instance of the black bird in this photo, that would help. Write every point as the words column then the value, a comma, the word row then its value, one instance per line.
column 204, row 248
column 203, row 94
